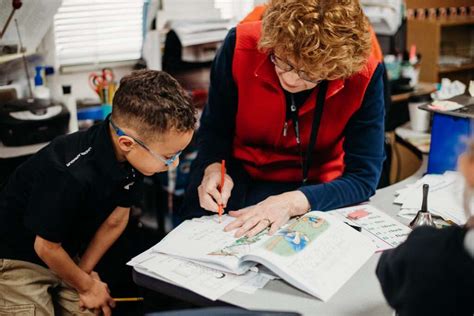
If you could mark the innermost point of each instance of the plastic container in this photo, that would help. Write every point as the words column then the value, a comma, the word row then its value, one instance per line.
column 419, row 119
column 40, row 91
column 70, row 102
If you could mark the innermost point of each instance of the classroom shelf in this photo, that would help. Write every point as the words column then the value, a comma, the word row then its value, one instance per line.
column 447, row 69
column 15, row 57
column 443, row 36
column 455, row 21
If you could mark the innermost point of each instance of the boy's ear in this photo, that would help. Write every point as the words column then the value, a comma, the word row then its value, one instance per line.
column 125, row 143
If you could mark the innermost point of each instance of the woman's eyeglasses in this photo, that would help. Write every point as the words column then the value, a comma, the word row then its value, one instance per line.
column 286, row 67
column 168, row 162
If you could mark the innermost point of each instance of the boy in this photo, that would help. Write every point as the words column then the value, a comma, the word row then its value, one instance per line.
column 77, row 192
column 432, row 272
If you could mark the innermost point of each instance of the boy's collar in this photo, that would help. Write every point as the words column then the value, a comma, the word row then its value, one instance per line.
column 106, row 154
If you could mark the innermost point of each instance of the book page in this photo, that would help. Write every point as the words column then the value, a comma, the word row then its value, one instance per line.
column 317, row 253
column 207, row 282
column 384, row 231
column 204, row 240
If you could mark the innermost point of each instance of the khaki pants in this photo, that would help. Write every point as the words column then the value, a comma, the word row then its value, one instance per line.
column 29, row 289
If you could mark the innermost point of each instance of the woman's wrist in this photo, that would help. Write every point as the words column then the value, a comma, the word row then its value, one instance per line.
column 300, row 203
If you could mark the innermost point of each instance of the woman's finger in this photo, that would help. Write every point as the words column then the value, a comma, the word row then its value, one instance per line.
column 262, row 224
column 215, row 194
column 248, row 225
column 235, row 224
column 275, row 226
column 207, row 203
column 240, row 212
column 242, row 216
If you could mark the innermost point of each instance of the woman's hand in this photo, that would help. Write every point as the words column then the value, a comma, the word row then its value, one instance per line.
column 274, row 211
column 208, row 191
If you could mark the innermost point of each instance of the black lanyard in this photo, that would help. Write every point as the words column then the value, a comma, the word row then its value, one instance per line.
column 318, row 113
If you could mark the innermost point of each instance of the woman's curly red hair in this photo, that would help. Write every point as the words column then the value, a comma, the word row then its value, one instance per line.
column 327, row 39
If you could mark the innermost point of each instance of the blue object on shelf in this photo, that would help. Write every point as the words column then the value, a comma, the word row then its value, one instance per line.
column 448, row 140
column 106, row 110
column 96, row 113
column 38, row 76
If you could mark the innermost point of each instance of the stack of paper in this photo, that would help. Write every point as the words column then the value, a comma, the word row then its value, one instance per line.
column 208, row 282
column 445, row 197
column 195, row 32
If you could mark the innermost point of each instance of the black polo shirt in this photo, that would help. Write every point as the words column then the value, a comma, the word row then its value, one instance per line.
column 64, row 193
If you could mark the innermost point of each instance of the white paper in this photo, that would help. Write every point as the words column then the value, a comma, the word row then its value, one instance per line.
column 207, row 282
column 252, row 285
column 412, row 195
column 200, row 32
column 384, row 231
column 445, row 196
column 144, row 256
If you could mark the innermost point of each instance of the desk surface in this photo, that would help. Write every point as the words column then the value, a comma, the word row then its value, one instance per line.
column 361, row 295
column 420, row 88
column 420, row 141
column 18, row 151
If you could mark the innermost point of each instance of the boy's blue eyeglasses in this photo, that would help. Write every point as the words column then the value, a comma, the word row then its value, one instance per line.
column 167, row 162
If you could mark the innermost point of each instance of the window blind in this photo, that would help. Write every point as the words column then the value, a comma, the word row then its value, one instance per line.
column 98, row 31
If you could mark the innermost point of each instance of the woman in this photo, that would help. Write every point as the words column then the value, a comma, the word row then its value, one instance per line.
column 296, row 109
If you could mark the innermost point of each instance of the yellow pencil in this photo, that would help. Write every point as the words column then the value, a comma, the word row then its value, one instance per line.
column 128, row 299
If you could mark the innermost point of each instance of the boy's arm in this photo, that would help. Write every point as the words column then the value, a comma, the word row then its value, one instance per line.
column 93, row 293
column 106, row 235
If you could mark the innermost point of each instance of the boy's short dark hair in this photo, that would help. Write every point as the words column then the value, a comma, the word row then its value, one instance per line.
column 152, row 102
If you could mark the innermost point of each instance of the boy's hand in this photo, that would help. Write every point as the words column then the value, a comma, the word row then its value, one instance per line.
column 95, row 275
column 97, row 297
column 208, row 191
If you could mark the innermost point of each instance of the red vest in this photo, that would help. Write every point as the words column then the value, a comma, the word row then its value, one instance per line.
column 259, row 142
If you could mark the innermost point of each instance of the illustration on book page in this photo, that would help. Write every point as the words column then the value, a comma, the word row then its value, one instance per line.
column 239, row 247
column 295, row 237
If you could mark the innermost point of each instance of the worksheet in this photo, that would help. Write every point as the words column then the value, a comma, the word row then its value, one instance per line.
column 384, row 231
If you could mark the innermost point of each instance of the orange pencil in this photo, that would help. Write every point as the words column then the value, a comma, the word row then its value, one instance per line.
column 128, row 299
column 221, row 206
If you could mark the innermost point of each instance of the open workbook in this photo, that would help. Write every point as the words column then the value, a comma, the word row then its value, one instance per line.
column 316, row 253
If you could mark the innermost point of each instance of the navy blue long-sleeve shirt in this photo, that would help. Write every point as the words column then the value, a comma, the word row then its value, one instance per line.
column 431, row 273
column 363, row 145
